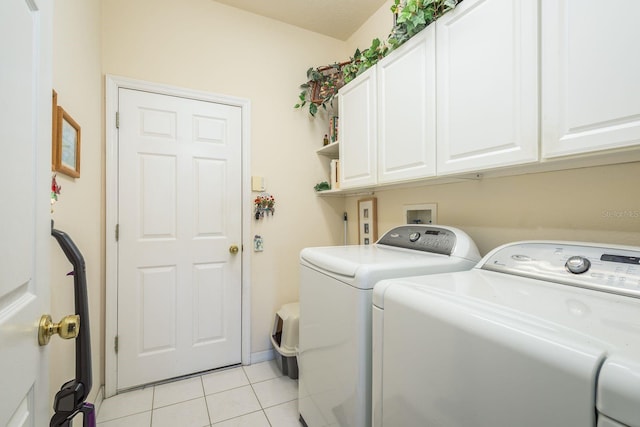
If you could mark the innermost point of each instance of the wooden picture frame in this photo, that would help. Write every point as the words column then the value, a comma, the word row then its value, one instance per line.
column 67, row 145
column 54, row 128
column 367, row 221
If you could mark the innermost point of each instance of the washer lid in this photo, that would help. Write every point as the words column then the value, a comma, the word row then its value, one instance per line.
column 618, row 394
column 348, row 260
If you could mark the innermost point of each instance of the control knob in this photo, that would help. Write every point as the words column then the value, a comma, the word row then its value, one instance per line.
column 577, row 264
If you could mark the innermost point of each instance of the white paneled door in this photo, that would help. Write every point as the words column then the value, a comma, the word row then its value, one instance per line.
column 179, row 215
column 25, row 135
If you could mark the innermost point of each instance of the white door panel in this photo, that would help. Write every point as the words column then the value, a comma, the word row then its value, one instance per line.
column 179, row 212
column 25, row 132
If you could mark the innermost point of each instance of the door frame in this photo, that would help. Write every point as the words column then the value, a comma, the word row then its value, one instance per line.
column 112, row 85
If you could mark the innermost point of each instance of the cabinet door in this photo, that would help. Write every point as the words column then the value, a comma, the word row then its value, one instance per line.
column 590, row 71
column 487, row 89
column 358, row 157
column 407, row 110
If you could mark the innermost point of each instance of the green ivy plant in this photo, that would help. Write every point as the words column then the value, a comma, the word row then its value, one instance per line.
column 361, row 61
column 411, row 17
column 322, row 186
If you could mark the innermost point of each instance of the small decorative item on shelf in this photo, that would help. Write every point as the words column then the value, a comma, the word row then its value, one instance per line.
column 322, row 186
column 325, row 141
column 333, row 128
column 264, row 203
column 335, row 171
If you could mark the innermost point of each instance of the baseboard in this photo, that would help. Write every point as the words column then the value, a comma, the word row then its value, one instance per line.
column 99, row 399
column 262, row 356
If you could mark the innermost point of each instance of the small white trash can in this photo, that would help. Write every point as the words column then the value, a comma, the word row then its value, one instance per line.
column 284, row 338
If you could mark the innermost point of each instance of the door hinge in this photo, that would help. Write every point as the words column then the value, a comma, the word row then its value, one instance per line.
column 115, row 343
column 117, row 120
column 117, row 232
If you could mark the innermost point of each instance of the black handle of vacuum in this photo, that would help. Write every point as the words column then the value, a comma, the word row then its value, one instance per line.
column 83, row 380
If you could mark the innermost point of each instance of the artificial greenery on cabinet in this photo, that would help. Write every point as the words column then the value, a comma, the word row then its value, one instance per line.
column 410, row 17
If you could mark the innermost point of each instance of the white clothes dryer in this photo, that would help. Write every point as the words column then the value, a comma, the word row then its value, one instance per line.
column 336, row 287
column 537, row 334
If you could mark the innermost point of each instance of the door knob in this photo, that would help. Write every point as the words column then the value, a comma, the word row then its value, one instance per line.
column 67, row 328
column 233, row 249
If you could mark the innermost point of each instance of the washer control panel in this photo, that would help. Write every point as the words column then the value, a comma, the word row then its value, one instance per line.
column 613, row 269
column 426, row 238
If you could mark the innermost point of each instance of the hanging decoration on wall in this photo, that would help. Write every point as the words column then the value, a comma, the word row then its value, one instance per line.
column 55, row 190
column 264, row 203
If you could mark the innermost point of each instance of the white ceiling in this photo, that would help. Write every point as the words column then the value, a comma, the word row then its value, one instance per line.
column 335, row 18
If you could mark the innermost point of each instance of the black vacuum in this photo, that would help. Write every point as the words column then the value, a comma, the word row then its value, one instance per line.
column 71, row 399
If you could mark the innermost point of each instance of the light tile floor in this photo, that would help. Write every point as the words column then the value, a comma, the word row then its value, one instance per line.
column 249, row 396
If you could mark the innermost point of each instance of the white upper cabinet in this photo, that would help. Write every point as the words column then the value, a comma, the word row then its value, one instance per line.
column 487, row 88
column 590, row 76
column 407, row 110
column 358, row 135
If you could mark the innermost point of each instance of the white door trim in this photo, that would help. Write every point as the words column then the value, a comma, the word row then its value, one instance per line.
column 112, row 85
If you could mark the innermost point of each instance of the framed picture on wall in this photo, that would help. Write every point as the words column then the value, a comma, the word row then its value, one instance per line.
column 367, row 221
column 54, row 129
column 67, row 145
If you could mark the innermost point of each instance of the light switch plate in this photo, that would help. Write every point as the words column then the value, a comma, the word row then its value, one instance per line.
column 257, row 183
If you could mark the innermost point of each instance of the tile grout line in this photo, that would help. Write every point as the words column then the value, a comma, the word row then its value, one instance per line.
column 260, row 403
column 206, row 404
column 153, row 398
column 256, row 395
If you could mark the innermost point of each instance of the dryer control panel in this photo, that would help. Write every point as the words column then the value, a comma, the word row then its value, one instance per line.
column 424, row 238
column 614, row 269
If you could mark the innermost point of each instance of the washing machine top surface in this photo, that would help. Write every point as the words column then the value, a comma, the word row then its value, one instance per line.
column 410, row 249
column 579, row 295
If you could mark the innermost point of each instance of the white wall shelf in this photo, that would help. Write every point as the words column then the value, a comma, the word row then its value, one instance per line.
column 330, row 150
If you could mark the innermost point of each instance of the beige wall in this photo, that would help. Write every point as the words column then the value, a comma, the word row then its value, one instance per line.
column 79, row 211
column 598, row 204
column 203, row 45
column 379, row 25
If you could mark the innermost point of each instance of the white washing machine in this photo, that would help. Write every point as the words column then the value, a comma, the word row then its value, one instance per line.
column 336, row 287
column 537, row 334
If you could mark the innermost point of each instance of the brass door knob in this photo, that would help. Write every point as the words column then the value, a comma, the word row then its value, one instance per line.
column 67, row 328
column 233, row 249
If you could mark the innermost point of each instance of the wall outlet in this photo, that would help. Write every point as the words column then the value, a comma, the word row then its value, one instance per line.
column 258, row 243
